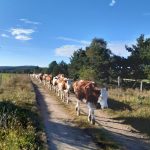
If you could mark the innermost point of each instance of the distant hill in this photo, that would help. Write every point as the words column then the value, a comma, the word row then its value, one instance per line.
column 17, row 69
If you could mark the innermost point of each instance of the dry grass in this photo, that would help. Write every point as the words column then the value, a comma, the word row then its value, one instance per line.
column 132, row 106
column 19, row 120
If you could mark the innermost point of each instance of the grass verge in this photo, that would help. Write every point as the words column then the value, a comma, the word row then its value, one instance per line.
column 132, row 106
column 20, row 126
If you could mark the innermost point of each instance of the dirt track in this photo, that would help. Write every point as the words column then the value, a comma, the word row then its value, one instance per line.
column 61, row 134
column 123, row 134
column 64, row 135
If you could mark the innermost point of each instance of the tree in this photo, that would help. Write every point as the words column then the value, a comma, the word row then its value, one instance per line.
column 140, row 58
column 56, row 70
column 63, row 68
column 99, row 58
column 52, row 65
column 87, row 73
column 77, row 61
column 119, row 67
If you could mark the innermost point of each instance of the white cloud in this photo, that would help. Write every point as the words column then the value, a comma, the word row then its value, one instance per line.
column 118, row 47
column 21, row 33
column 18, row 31
column 66, row 50
column 29, row 21
column 4, row 35
column 22, row 37
column 113, row 2
column 74, row 40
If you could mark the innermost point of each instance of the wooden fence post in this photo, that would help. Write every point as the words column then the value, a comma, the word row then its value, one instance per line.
column 141, row 86
column 118, row 81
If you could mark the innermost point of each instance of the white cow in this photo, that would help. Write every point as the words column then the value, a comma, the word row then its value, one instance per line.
column 68, row 86
column 103, row 98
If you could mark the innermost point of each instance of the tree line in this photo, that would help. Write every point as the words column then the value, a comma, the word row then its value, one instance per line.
column 97, row 62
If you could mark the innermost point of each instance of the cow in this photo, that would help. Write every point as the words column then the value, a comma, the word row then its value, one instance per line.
column 68, row 86
column 103, row 97
column 39, row 77
column 33, row 75
column 89, row 91
column 64, row 86
column 48, row 81
column 55, row 81
column 61, row 87
column 44, row 78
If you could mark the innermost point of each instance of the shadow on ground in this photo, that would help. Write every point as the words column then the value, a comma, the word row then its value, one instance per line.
column 140, row 124
column 116, row 105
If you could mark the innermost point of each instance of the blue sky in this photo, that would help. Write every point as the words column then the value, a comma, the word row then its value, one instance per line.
column 36, row 32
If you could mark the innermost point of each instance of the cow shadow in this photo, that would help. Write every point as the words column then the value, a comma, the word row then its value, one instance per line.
column 139, row 124
column 116, row 105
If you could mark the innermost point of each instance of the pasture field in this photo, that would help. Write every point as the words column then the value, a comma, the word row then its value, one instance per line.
column 131, row 106
column 20, row 126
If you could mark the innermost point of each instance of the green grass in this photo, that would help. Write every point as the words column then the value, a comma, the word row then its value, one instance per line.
column 20, row 126
column 132, row 106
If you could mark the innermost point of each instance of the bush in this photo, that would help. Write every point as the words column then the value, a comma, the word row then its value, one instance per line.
column 87, row 74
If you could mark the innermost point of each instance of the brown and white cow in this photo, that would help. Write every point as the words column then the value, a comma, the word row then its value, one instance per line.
column 55, row 81
column 44, row 78
column 48, row 81
column 39, row 77
column 89, row 91
column 64, row 86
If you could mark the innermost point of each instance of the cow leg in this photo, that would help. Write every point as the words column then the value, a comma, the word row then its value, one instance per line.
column 78, row 107
column 67, row 95
column 58, row 92
column 54, row 88
column 61, row 94
column 50, row 87
column 91, row 116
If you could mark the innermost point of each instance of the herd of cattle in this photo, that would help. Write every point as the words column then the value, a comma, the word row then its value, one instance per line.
column 83, row 89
